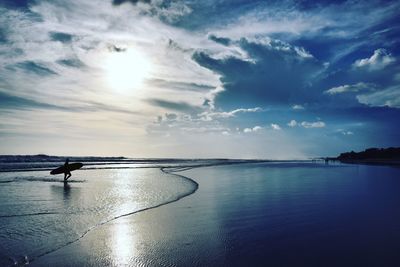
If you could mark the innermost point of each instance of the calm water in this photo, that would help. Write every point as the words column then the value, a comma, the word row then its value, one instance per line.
column 277, row 214
column 301, row 214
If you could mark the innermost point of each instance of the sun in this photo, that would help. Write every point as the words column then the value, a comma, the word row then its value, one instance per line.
column 126, row 70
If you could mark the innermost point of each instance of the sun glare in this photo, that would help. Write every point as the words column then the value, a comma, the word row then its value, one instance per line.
column 126, row 70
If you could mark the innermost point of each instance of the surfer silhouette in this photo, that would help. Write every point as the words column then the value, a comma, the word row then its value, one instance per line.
column 67, row 168
column 67, row 171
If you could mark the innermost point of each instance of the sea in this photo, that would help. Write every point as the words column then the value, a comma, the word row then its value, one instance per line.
column 198, row 212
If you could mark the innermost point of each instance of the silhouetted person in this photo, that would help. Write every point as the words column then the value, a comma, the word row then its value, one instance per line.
column 67, row 172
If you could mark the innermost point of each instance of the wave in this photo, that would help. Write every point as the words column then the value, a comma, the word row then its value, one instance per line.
column 48, row 163
column 49, row 180
column 47, row 158
column 31, row 214
column 7, row 181
column 37, row 179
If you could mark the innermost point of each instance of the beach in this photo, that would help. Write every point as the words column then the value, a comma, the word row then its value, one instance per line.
column 199, row 133
column 272, row 213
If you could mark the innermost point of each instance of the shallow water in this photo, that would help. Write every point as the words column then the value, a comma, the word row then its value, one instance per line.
column 277, row 214
column 39, row 213
column 297, row 215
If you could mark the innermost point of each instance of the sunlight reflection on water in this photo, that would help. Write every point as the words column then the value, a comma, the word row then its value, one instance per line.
column 124, row 245
column 46, row 214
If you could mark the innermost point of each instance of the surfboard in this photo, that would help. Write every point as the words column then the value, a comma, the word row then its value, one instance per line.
column 71, row 167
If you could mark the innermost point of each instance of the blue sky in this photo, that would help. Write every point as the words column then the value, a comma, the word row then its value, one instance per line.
column 237, row 79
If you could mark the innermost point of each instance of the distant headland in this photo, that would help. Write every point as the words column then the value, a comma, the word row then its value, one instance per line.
column 386, row 156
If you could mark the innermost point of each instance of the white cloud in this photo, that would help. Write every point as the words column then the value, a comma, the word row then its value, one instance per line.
column 173, row 12
column 210, row 115
column 389, row 97
column 204, row 129
column 328, row 21
column 344, row 132
column 379, row 60
column 370, row 94
column 94, row 26
column 275, row 126
column 180, row 124
column 252, row 130
column 292, row 123
column 297, row 107
column 317, row 124
column 351, row 88
column 306, row 124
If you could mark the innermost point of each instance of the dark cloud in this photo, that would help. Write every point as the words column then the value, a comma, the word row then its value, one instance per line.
column 276, row 74
column 8, row 101
column 33, row 67
column 3, row 37
column 171, row 116
column 61, row 37
column 207, row 103
column 220, row 40
column 72, row 62
column 176, row 106
column 115, row 48
column 119, row 2
column 12, row 52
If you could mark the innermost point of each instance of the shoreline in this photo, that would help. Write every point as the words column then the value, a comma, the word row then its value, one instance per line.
column 382, row 162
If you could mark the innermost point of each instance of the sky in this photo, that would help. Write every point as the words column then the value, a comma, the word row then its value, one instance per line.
column 211, row 78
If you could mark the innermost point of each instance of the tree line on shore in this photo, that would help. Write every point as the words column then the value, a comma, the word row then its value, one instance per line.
column 390, row 153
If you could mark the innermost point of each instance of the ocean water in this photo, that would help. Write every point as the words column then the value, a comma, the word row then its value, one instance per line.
column 296, row 214
column 202, row 213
